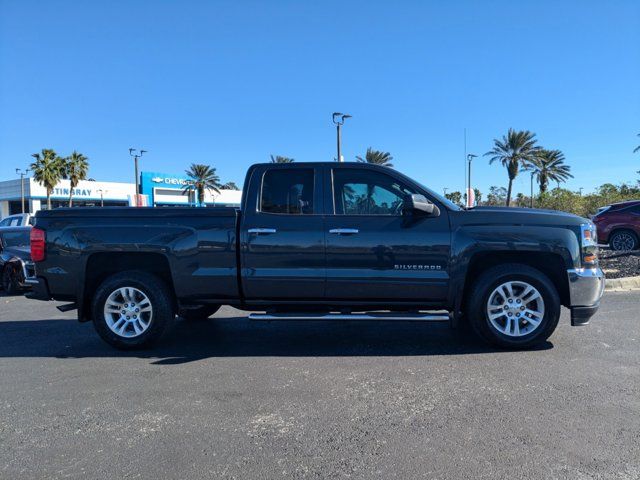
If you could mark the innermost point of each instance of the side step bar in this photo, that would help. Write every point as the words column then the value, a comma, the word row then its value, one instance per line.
column 428, row 317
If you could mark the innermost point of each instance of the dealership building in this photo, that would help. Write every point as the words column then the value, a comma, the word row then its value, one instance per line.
column 165, row 190
column 156, row 189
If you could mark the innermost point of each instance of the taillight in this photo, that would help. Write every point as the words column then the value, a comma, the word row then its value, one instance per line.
column 37, row 239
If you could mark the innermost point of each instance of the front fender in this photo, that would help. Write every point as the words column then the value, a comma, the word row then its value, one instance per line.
column 469, row 241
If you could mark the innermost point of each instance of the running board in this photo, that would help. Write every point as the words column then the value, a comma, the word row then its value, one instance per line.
column 422, row 317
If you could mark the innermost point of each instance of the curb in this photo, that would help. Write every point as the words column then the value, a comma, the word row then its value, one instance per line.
column 622, row 284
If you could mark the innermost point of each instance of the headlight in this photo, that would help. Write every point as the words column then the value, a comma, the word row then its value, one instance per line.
column 589, row 245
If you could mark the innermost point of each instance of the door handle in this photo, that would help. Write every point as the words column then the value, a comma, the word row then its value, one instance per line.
column 344, row 231
column 262, row 231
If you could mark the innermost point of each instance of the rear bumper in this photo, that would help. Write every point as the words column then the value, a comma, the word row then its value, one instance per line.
column 586, row 286
column 39, row 288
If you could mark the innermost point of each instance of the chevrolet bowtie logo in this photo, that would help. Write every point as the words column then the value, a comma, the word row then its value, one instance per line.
column 157, row 179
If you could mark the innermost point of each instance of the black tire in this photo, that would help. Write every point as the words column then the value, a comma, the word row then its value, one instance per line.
column 159, row 297
column 12, row 279
column 484, row 286
column 200, row 312
column 623, row 240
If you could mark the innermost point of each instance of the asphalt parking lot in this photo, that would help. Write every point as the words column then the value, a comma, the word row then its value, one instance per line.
column 230, row 398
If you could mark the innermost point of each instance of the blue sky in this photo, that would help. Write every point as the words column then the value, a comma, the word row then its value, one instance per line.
column 228, row 83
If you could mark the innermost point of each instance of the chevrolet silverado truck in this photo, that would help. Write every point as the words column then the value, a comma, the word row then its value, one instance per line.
column 313, row 241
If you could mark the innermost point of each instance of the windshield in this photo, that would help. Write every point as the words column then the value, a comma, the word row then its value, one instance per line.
column 15, row 239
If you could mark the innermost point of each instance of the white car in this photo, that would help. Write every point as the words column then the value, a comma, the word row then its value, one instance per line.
column 17, row 220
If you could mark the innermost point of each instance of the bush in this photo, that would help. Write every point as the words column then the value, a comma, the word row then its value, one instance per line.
column 586, row 205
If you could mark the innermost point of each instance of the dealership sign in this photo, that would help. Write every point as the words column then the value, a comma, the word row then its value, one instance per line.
column 151, row 180
column 171, row 180
column 77, row 192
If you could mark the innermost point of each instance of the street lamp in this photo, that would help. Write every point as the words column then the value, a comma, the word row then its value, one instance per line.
column 581, row 188
column 444, row 191
column 338, row 119
column 22, row 173
column 531, row 198
column 136, row 156
column 470, row 157
column 102, row 192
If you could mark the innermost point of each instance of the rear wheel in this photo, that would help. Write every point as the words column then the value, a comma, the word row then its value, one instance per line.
column 132, row 310
column 200, row 312
column 514, row 306
column 623, row 240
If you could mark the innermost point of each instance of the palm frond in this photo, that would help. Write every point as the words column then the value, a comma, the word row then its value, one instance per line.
column 376, row 157
column 281, row 159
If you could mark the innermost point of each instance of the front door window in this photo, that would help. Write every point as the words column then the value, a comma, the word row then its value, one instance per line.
column 361, row 192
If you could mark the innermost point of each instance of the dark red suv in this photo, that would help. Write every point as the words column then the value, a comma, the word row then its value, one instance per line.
column 619, row 225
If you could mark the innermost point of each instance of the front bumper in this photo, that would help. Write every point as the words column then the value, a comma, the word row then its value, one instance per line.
column 586, row 286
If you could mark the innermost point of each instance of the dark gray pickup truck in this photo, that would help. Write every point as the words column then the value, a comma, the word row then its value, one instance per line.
column 320, row 241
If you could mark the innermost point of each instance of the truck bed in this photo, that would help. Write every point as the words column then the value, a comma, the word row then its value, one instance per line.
column 198, row 245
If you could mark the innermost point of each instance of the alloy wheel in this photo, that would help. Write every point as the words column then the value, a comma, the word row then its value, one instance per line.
column 515, row 308
column 128, row 312
column 623, row 241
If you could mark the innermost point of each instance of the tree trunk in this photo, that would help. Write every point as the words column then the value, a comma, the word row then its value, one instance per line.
column 71, row 196
column 509, row 192
column 48, row 199
column 200, row 197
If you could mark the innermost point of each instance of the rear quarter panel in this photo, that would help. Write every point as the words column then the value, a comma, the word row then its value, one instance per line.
column 200, row 250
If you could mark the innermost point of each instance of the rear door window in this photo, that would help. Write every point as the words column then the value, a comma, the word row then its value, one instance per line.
column 287, row 191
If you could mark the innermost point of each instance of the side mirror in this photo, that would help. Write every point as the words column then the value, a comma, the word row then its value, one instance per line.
column 416, row 203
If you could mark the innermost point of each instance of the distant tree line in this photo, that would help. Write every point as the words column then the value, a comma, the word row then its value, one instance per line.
column 557, row 198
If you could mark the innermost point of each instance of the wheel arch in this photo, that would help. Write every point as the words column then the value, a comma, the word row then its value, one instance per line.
column 551, row 265
column 101, row 265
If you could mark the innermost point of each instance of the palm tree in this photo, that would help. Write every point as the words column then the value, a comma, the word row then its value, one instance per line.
column 637, row 149
column 47, row 170
column 280, row 159
column 516, row 150
column 376, row 157
column 229, row 186
column 548, row 165
column 202, row 177
column 75, row 169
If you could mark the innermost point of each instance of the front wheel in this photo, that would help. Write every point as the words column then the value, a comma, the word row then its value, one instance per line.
column 514, row 306
column 132, row 310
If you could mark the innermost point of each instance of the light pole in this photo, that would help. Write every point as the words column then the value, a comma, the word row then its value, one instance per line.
column 531, row 199
column 136, row 156
column 470, row 157
column 338, row 119
column 102, row 192
column 22, row 173
column 581, row 188
column 444, row 191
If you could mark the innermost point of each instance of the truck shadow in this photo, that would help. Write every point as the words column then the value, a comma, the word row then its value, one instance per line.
column 240, row 337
